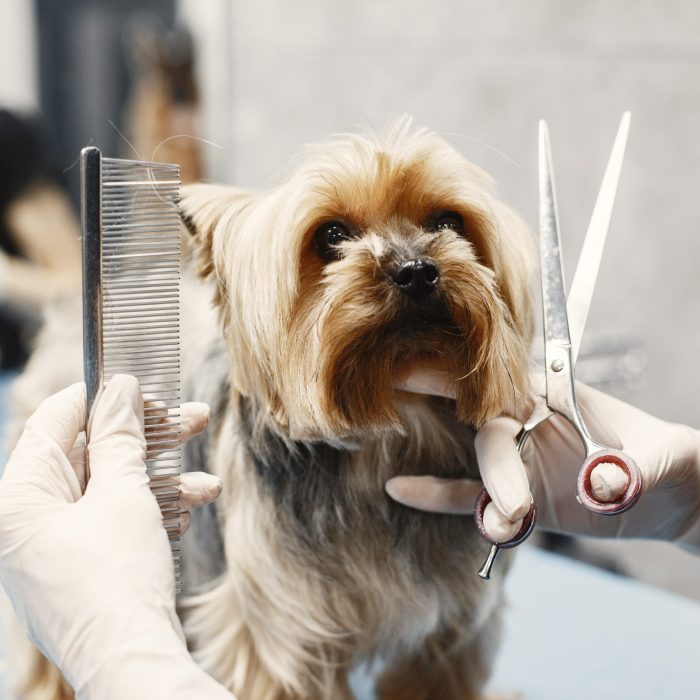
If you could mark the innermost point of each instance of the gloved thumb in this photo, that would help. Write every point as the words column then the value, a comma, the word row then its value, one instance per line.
column 56, row 422
column 40, row 457
column 501, row 467
column 116, row 442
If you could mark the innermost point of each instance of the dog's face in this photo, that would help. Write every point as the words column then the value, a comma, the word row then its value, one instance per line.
column 376, row 254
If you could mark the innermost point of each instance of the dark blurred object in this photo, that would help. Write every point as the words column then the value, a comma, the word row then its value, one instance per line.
column 16, row 333
column 39, row 254
column 26, row 159
column 83, row 74
column 162, row 116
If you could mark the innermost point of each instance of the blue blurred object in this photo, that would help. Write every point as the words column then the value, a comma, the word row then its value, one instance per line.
column 6, row 379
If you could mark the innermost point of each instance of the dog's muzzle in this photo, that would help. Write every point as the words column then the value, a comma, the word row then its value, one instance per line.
column 417, row 279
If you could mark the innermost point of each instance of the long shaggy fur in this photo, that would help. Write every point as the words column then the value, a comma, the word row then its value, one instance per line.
column 322, row 569
column 305, row 567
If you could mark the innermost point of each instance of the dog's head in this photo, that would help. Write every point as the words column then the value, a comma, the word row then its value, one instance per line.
column 375, row 254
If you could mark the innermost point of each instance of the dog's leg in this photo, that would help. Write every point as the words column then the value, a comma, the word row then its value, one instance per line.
column 30, row 675
column 42, row 680
column 448, row 667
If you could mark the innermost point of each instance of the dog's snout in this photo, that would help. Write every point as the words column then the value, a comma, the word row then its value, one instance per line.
column 416, row 278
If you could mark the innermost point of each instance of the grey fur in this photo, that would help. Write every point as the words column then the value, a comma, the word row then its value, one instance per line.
column 202, row 546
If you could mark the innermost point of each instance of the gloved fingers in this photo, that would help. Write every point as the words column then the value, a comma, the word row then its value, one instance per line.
column 502, row 468
column 598, row 413
column 56, row 422
column 500, row 528
column 177, row 625
column 435, row 382
column 429, row 493
column 187, row 421
column 197, row 489
column 116, row 446
column 426, row 381
column 77, row 456
column 608, row 482
column 38, row 466
column 669, row 459
column 661, row 450
column 183, row 522
column 194, row 418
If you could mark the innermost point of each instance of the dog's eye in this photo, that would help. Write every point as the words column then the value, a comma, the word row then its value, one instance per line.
column 329, row 236
column 449, row 220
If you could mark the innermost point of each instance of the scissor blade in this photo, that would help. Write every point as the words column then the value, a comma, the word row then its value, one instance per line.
column 556, row 327
column 583, row 285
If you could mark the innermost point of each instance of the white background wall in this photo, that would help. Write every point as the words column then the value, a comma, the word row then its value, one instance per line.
column 18, row 78
column 279, row 74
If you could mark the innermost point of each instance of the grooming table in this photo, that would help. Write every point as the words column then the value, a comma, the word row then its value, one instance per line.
column 574, row 632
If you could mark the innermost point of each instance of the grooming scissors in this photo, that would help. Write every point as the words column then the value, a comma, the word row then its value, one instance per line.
column 564, row 322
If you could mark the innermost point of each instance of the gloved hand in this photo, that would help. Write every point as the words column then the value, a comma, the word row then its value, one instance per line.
column 196, row 488
column 667, row 454
column 91, row 576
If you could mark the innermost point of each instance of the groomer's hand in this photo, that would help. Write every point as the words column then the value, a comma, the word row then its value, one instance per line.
column 91, row 575
column 667, row 454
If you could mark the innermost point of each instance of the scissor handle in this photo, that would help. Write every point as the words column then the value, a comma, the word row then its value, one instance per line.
column 626, row 500
column 527, row 527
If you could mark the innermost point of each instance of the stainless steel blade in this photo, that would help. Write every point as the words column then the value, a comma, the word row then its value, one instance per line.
column 556, row 327
column 583, row 285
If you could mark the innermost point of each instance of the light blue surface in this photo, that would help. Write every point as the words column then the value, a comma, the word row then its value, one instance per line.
column 574, row 632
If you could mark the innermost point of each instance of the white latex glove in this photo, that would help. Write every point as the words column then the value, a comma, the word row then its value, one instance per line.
column 91, row 577
column 196, row 488
column 667, row 454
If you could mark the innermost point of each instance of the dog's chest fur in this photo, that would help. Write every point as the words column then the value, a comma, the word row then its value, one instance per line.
column 389, row 573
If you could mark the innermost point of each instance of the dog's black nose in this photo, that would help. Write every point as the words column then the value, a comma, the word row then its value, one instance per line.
column 416, row 278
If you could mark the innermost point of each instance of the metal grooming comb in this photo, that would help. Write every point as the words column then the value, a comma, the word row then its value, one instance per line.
column 131, row 304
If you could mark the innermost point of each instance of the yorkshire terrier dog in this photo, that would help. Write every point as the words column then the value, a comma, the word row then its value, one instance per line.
column 376, row 256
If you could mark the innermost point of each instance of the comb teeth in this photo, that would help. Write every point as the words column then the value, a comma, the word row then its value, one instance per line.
column 140, row 311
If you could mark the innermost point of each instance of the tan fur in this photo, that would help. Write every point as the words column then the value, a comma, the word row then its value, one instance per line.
column 310, row 351
column 323, row 569
column 289, row 322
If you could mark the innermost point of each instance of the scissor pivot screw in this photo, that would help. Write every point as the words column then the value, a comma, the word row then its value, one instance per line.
column 557, row 365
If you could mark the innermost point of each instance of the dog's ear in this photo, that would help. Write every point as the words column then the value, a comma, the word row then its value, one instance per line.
column 515, row 265
column 201, row 209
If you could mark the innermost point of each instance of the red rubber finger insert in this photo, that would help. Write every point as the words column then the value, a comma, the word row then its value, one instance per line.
column 626, row 500
column 527, row 527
